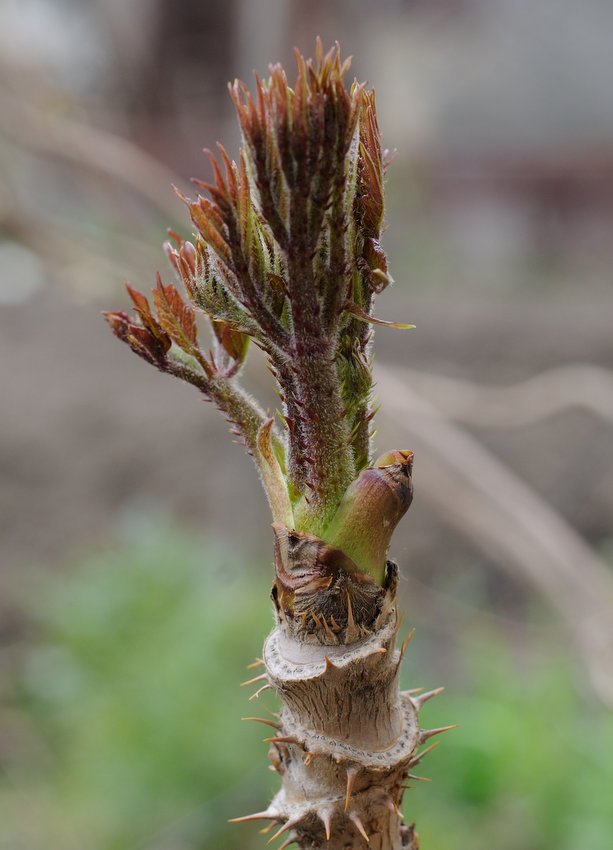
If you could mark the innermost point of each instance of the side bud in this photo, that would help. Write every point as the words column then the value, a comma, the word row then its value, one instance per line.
column 370, row 510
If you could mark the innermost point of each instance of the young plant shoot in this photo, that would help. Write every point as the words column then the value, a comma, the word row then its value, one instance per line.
column 286, row 255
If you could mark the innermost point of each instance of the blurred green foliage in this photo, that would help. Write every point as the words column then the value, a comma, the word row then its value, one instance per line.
column 124, row 710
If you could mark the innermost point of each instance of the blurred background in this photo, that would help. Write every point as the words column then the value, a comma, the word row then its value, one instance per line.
column 130, row 525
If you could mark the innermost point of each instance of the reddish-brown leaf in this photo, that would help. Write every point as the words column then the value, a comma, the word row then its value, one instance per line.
column 119, row 322
column 207, row 219
column 143, row 311
column 233, row 342
column 175, row 316
column 148, row 345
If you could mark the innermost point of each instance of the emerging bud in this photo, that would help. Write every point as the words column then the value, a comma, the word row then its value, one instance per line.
column 370, row 511
column 286, row 252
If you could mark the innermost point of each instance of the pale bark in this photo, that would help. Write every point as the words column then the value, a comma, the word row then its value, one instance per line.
column 346, row 738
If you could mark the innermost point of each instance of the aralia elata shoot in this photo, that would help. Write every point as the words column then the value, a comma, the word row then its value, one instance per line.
column 286, row 255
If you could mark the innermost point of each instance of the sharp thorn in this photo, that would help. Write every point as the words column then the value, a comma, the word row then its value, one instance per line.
column 257, row 663
column 257, row 816
column 355, row 819
column 282, row 739
column 411, row 692
column 392, row 807
column 406, row 642
column 327, row 629
column 352, row 772
column 326, row 818
column 276, row 835
column 307, row 760
column 286, row 843
column 261, row 690
column 329, row 665
column 263, row 720
column 351, row 631
column 255, row 679
column 288, row 825
column 418, row 778
column 420, row 700
column 267, row 829
column 415, row 761
column 425, row 734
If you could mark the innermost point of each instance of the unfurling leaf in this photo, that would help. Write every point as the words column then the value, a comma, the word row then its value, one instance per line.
column 143, row 334
column 175, row 316
column 234, row 343
column 371, row 169
column 143, row 310
column 273, row 478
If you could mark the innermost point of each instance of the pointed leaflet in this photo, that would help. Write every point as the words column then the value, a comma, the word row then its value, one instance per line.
column 273, row 478
column 143, row 333
column 176, row 317
column 232, row 343
column 357, row 311
column 143, row 310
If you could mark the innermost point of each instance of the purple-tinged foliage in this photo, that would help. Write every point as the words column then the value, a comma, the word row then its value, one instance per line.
column 286, row 253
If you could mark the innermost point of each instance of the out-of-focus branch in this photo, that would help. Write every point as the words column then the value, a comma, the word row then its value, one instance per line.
column 578, row 385
column 486, row 501
column 92, row 148
column 84, row 267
